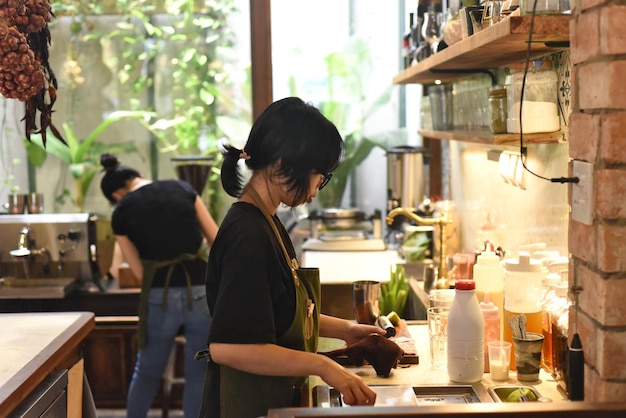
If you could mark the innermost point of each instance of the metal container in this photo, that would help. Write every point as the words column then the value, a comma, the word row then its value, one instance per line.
column 407, row 177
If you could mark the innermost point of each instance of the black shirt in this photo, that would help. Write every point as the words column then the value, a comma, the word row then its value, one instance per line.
column 160, row 219
column 250, row 288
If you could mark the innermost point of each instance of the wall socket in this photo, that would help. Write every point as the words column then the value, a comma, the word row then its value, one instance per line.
column 582, row 192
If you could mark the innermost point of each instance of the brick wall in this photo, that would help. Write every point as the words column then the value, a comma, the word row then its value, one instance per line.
column 597, row 132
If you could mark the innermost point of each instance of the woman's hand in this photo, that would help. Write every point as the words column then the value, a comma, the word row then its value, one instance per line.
column 349, row 331
column 351, row 386
column 356, row 332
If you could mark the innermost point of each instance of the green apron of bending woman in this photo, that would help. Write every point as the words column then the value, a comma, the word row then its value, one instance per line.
column 150, row 268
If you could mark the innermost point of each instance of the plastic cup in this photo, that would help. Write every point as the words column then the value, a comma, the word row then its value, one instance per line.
column 499, row 359
column 528, row 356
column 438, row 336
column 365, row 301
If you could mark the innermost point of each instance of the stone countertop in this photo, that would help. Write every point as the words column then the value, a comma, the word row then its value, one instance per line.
column 33, row 345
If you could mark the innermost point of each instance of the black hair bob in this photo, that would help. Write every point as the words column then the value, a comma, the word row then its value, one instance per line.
column 293, row 132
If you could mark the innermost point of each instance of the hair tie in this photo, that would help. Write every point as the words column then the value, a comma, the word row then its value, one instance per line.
column 244, row 155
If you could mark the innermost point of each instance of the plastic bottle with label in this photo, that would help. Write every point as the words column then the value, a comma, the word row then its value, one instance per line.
column 522, row 294
column 489, row 276
column 465, row 335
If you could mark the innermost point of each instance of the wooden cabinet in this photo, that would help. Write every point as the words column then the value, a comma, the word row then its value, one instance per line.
column 496, row 46
column 110, row 353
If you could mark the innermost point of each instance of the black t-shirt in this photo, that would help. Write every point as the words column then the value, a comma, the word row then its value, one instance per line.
column 160, row 219
column 250, row 288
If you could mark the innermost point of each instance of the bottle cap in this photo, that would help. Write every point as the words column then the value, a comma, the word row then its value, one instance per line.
column 465, row 285
column 561, row 289
column 523, row 263
column 488, row 258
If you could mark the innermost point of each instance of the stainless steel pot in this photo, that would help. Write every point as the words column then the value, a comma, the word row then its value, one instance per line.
column 407, row 177
column 338, row 218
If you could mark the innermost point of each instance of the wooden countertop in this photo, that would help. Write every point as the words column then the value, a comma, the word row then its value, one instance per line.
column 33, row 345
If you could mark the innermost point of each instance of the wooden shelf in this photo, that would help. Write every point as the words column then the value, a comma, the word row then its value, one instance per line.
column 486, row 137
column 496, row 46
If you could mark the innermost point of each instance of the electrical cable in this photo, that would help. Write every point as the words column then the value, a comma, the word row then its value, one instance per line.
column 523, row 149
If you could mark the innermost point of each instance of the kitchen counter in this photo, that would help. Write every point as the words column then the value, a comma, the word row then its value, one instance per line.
column 423, row 374
column 34, row 345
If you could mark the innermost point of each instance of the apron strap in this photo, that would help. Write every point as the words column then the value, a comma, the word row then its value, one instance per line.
column 291, row 262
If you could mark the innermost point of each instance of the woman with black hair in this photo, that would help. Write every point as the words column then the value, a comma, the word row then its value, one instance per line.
column 162, row 228
column 265, row 308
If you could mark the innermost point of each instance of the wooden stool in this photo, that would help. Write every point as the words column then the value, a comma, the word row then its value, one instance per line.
column 169, row 376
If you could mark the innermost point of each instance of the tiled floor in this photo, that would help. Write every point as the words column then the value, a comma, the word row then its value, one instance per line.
column 154, row 413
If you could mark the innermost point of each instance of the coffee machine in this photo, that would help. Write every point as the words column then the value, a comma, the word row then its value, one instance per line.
column 54, row 245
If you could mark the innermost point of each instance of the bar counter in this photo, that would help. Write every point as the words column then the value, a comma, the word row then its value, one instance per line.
column 33, row 346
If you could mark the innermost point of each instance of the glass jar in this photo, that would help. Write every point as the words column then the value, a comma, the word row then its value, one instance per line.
column 540, row 106
column 498, row 109
column 544, row 7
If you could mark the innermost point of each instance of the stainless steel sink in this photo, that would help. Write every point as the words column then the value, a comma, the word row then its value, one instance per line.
column 402, row 395
column 37, row 288
column 516, row 393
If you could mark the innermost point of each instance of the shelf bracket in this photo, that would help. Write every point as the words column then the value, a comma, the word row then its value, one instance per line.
column 490, row 73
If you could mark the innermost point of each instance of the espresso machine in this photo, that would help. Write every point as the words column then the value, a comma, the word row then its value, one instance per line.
column 57, row 245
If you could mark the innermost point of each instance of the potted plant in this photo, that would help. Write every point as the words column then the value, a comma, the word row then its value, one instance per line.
column 185, row 44
column 82, row 155
column 347, row 76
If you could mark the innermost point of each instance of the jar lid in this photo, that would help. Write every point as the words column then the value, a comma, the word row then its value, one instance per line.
column 498, row 92
column 523, row 263
column 488, row 258
column 465, row 285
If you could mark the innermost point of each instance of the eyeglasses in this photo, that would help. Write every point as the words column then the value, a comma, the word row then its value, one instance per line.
column 325, row 179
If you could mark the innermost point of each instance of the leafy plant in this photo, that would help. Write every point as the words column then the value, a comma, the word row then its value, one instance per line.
column 415, row 246
column 81, row 155
column 394, row 293
column 348, row 72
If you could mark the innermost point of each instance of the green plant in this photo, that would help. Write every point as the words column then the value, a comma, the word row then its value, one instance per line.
column 174, row 58
column 415, row 246
column 81, row 155
column 346, row 107
column 394, row 293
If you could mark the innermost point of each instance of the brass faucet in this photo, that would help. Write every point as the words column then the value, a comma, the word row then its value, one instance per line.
column 443, row 281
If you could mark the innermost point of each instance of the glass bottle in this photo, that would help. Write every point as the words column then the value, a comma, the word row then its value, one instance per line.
column 498, row 109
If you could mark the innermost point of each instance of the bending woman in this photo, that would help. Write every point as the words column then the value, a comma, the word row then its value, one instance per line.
column 162, row 228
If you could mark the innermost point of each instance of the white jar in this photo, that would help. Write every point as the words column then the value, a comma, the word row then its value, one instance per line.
column 465, row 335
column 540, row 109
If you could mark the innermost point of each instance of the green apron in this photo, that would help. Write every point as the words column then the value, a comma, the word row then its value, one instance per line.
column 246, row 395
column 150, row 268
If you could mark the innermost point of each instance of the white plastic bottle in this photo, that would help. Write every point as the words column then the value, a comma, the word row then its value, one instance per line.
column 489, row 276
column 465, row 335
